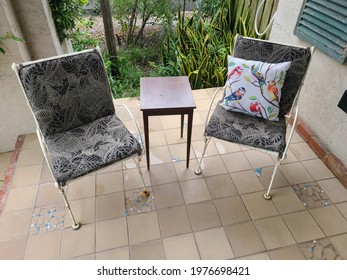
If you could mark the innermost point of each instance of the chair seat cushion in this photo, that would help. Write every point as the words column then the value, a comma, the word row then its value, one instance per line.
column 247, row 130
column 87, row 148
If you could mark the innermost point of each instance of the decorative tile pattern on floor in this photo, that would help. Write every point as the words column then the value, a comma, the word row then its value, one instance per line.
column 312, row 195
column 46, row 219
column 321, row 249
column 137, row 201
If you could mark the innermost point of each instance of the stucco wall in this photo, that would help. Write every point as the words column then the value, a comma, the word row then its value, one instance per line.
column 324, row 85
column 41, row 41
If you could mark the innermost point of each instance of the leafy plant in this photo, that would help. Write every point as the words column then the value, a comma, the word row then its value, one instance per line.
column 200, row 46
column 134, row 15
column 10, row 36
column 82, row 38
column 66, row 13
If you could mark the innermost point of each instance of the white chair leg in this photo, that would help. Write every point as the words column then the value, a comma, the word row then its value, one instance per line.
column 75, row 225
column 198, row 171
column 145, row 191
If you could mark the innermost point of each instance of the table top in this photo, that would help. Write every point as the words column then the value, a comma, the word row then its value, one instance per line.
column 165, row 93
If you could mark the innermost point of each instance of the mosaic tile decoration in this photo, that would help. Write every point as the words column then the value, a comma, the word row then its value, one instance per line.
column 321, row 249
column 312, row 195
column 137, row 202
column 46, row 219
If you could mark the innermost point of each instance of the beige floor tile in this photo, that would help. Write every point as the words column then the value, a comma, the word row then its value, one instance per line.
column 198, row 132
column 167, row 195
column 342, row 208
column 143, row 227
column 48, row 194
column 202, row 103
column 171, row 121
column 259, row 159
column 236, row 162
column 81, row 188
column 173, row 221
column 295, row 173
column 109, row 182
column 330, row 220
column 161, row 154
column 110, row 206
column 178, row 152
column 244, row 239
column 303, row 226
column 13, row 249
column 274, row 232
column 115, row 254
column 317, row 169
column 87, row 257
column 289, row 158
column 15, row 224
column 113, row 167
column 5, row 159
column 296, row 137
column 44, row 246
column 200, row 94
column 162, row 174
column 182, row 247
column 157, row 139
column 195, row 190
column 21, row 198
column 224, row 147
column 340, row 244
column 78, row 242
column 26, row 176
column 213, row 244
column 213, row 166
column 133, row 180
column 111, row 234
column 173, row 136
column 154, row 124
column 30, row 157
column 286, row 200
column 259, row 256
column 184, row 173
column 334, row 189
column 198, row 147
column 265, row 178
column 152, row 250
column 257, row 206
column 46, row 175
column 287, row 253
column 203, row 215
column 246, row 182
column 83, row 211
column 302, row 151
column 31, row 141
column 198, row 119
column 221, row 186
column 231, row 210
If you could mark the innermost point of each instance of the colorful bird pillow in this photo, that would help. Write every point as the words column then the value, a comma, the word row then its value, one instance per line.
column 254, row 87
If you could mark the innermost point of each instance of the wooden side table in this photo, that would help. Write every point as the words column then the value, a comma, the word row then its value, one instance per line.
column 166, row 96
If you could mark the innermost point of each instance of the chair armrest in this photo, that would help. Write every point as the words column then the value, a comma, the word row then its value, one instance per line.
column 211, row 103
column 135, row 123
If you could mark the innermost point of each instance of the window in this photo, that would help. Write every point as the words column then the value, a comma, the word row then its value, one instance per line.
column 323, row 23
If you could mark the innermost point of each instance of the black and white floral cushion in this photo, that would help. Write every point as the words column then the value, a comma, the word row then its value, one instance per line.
column 258, row 132
column 72, row 103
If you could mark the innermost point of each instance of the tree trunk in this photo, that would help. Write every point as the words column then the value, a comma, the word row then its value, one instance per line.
column 110, row 37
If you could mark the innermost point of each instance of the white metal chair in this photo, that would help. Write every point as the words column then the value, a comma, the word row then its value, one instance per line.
column 256, row 132
column 77, row 126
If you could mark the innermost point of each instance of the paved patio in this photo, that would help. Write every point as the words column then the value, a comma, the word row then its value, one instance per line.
column 218, row 215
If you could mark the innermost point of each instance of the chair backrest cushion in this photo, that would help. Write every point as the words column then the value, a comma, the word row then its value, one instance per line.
column 67, row 92
column 270, row 52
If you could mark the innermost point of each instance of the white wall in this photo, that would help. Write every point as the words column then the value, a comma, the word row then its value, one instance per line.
column 324, row 85
column 29, row 20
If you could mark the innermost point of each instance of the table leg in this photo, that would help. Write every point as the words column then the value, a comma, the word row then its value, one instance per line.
column 145, row 127
column 189, row 134
column 182, row 124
